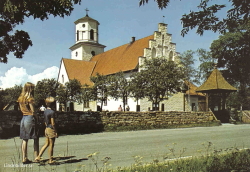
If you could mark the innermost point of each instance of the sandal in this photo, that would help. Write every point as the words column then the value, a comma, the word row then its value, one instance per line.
column 26, row 161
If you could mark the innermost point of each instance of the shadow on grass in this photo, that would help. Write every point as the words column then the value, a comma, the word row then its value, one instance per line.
column 61, row 160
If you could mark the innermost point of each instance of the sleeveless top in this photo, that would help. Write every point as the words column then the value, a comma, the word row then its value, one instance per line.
column 25, row 107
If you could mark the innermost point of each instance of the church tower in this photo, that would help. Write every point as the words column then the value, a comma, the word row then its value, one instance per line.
column 86, row 39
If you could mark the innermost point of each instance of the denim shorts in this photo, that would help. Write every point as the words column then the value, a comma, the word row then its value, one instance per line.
column 28, row 127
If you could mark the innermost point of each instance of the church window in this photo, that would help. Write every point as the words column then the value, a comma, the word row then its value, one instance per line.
column 86, row 104
column 76, row 53
column 77, row 35
column 62, row 78
column 93, row 53
column 162, row 39
column 153, row 53
column 92, row 34
column 83, row 25
column 171, row 56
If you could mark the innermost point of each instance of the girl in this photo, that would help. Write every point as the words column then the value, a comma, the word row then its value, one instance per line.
column 28, row 127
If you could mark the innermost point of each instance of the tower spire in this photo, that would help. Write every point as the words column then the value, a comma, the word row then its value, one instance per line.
column 86, row 11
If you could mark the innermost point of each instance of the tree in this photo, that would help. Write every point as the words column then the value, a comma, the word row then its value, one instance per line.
column 10, row 95
column 161, row 78
column 87, row 93
column 13, row 13
column 232, row 50
column 119, row 88
column 100, row 88
column 44, row 89
column 137, row 85
column 207, row 19
column 70, row 92
column 187, row 60
column 62, row 95
column 206, row 66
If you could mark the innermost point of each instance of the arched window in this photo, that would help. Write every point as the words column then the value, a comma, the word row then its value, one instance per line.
column 62, row 78
column 92, row 34
column 171, row 56
column 93, row 53
column 162, row 40
column 77, row 35
column 153, row 53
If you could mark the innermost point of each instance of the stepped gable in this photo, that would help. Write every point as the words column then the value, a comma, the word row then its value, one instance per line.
column 216, row 83
column 123, row 58
column 80, row 70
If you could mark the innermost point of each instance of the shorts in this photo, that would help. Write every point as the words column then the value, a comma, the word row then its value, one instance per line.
column 28, row 128
column 50, row 133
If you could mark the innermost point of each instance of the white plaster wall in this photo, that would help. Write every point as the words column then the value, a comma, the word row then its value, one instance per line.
column 79, row 51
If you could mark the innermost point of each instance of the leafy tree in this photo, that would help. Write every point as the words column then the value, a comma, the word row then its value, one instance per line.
column 13, row 13
column 137, row 85
column 10, row 95
column 232, row 51
column 44, row 89
column 187, row 60
column 87, row 93
column 161, row 78
column 74, row 88
column 100, row 88
column 62, row 95
column 119, row 87
column 70, row 92
column 206, row 64
column 207, row 19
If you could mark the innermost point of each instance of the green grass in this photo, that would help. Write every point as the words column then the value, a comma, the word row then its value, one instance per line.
column 228, row 160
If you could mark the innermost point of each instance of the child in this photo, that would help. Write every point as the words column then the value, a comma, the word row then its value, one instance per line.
column 50, row 131
column 28, row 127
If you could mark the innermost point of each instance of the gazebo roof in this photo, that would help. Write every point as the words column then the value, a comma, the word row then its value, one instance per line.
column 216, row 83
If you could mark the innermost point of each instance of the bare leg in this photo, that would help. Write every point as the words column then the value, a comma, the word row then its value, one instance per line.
column 51, row 148
column 36, row 147
column 24, row 149
column 43, row 148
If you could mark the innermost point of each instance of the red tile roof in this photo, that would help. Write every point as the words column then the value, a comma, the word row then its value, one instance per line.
column 123, row 58
column 79, row 69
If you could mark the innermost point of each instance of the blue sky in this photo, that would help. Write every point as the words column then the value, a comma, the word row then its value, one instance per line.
column 119, row 21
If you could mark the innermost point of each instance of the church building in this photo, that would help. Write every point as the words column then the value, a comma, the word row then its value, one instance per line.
column 89, row 58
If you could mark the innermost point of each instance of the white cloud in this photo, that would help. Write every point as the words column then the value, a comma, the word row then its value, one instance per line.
column 17, row 76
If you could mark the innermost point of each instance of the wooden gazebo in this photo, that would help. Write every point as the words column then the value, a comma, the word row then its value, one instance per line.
column 216, row 84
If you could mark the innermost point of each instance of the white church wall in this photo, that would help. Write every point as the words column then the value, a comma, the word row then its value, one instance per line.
column 62, row 78
column 77, row 53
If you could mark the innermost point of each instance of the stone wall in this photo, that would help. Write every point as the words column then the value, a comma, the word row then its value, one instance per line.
column 90, row 122
column 155, row 118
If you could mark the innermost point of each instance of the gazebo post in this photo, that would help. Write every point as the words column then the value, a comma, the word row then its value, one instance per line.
column 207, row 102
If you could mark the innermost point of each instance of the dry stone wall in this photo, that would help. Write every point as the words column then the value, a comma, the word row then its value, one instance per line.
column 155, row 118
column 88, row 122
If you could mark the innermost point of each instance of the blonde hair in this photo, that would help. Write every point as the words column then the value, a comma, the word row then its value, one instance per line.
column 49, row 100
column 26, row 94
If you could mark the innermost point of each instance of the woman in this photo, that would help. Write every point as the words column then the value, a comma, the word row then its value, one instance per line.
column 28, row 128
column 50, row 131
